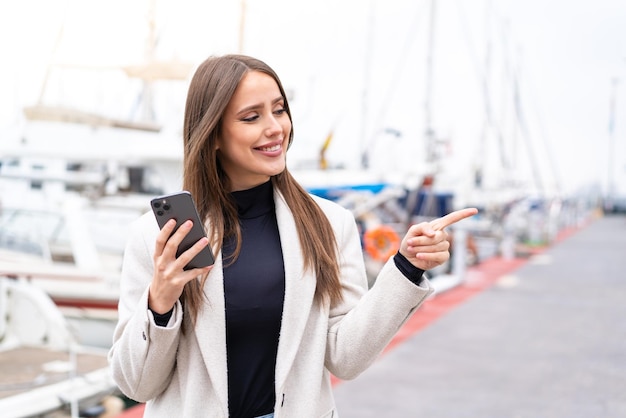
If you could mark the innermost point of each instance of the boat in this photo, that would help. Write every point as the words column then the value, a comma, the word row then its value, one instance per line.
column 45, row 371
column 73, row 252
column 73, row 177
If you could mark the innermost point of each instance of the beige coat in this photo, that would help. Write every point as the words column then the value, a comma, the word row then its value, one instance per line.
column 184, row 375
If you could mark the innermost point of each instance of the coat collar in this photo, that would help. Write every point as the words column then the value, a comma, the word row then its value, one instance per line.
column 299, row 291
column 210, row 331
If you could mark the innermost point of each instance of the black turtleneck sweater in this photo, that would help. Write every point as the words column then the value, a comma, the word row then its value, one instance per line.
column 254, row 289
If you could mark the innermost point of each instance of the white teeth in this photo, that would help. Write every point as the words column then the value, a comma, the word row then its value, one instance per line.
column 272, row 148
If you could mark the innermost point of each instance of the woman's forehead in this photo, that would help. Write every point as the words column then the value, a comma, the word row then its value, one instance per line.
column 255, row 89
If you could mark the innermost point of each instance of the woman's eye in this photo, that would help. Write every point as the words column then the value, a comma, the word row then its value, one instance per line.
column 280, row 111
column 250, row 118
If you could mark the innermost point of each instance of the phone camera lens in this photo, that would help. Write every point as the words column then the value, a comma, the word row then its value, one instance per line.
column 157, row 205
column 166, row 207
column 160, row 212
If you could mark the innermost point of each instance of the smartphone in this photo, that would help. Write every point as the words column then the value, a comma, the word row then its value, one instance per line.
column 181, row 207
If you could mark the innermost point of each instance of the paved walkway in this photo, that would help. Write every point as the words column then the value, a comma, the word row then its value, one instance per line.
column 544, row 338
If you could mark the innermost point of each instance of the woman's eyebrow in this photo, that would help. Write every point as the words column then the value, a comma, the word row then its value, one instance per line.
column 259, row 105
column 278, row 99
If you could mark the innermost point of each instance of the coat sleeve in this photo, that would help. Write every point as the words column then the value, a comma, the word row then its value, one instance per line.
column 365, row 321
column 142, row 357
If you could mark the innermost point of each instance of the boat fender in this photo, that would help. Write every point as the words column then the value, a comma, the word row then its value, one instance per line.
column 381, row 242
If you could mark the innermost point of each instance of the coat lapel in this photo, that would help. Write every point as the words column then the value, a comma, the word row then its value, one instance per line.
column 210, row 332
column 299, row 291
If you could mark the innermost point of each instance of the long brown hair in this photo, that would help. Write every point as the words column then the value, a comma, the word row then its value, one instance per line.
column 210, row 91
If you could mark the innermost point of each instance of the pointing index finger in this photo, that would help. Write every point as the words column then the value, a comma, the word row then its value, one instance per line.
column 451, row 218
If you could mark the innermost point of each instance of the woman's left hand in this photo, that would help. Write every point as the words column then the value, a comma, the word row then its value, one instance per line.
column 426, row 244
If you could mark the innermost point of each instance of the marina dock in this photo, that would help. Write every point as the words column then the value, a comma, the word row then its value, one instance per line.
column 538, row 337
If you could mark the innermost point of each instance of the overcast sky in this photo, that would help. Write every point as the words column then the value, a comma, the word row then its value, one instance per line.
column 360, row 70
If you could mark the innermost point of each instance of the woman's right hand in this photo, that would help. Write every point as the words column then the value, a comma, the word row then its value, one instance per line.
column 169, row 276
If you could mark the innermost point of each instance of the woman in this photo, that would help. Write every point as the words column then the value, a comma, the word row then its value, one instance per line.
column 286, row 302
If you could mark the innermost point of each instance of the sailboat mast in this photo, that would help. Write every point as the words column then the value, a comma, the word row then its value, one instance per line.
column 242, row 26
column 610, row 170
column 429, row 132
column 364, row 151
column 150, row 52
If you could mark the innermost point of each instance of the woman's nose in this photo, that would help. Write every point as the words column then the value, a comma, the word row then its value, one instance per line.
column 274, row 127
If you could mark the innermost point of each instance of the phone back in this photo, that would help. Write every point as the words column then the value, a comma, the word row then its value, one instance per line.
column 180, row 207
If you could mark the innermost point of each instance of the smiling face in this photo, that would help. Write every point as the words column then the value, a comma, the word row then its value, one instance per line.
column 255, row 132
